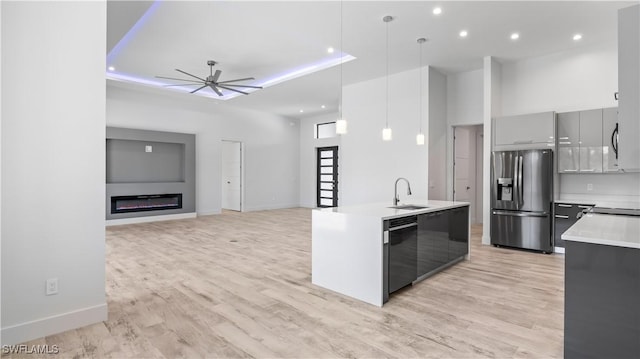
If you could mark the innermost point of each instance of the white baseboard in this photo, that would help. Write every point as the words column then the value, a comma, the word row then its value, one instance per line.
column 165, row 217
column 558, row 250
column 39, row 328
column 268, row 207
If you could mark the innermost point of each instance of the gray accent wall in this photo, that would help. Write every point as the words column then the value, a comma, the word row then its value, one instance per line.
column 131, row 171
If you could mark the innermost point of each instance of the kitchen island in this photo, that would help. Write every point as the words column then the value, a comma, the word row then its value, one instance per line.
column 355, row 252
column 602, row 287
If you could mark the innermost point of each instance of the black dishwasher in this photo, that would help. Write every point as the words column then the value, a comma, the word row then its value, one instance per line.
column 401, row 234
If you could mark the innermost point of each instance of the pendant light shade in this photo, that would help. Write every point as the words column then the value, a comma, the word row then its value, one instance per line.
column 386, row 132
column 341, row 126
column 420, row 135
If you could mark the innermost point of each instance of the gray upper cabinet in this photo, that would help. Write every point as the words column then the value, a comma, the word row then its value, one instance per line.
column 524, row 131
column 580, row 142
column 568, row 142
column 609, row 140
column 629, row 88
column 591, row 141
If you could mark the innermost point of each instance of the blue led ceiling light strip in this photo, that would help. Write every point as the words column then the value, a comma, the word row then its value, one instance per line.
column 131, row 33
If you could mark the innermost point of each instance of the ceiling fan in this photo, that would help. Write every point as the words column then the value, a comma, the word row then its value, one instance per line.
column 211, row 81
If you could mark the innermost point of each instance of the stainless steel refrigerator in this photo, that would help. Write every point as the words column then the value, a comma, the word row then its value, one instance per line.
column 522, row 199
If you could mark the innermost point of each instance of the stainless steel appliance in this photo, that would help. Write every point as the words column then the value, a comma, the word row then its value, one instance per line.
column 522, row 199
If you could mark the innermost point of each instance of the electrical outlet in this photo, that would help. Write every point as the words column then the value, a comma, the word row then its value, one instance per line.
column 148, row 149
column 589, row 186
column 52, row 286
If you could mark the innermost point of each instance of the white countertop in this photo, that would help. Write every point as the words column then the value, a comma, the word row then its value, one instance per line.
column 612, row 230
column 382, row 210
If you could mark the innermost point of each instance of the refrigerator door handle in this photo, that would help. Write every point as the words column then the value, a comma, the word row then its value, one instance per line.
column 516, row 181
column 520, row 214
column 521, row 203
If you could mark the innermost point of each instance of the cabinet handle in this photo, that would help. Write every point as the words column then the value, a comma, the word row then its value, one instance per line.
column 522, row 142
column 569, row 170
column 585, row 207
column 589, row 170
column 565, row 205
column 561, row 216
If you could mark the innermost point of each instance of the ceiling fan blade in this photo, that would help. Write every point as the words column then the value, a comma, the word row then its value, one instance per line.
column 236, row 80
column 230, row 89
column 199, row 88
column 216, row 75
column 173, row 78
column 215, row 89
column 188, row 74
column 247, row 86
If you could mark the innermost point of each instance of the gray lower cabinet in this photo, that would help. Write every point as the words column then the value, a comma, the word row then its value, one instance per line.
column 601, row 306
column 565, row 215
column 442, row 238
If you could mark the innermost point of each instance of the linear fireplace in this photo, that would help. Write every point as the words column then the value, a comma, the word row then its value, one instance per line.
column 149, row 202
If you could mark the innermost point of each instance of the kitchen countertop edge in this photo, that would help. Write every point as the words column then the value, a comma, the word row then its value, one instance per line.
column 383, row 211
column 599, row 229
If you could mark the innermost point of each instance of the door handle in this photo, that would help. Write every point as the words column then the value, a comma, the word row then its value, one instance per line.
column 561, row 216
column 520, row 214
column 564, row 205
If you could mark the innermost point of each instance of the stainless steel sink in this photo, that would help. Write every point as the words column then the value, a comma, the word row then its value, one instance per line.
column 409, row 207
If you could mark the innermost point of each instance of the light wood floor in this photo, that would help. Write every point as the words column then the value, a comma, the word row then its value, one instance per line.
column 239, row 285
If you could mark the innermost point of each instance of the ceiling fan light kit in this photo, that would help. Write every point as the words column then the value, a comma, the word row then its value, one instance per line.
column 211, row 81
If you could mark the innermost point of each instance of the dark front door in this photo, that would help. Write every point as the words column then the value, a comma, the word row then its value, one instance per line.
column 327, row 177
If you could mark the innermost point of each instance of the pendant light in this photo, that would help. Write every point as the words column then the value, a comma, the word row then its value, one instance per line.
column 386, row 132
column 420, row 135
column 341, row 122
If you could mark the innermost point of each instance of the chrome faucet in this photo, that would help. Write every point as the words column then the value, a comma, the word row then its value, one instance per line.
column 395, row 193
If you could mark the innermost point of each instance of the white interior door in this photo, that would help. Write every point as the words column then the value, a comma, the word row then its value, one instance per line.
column 232, row 175
column 464, row 165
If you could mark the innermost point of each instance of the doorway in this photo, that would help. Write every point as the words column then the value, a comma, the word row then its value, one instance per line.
column 232, row 175
column 467, row 168
column 327, row 176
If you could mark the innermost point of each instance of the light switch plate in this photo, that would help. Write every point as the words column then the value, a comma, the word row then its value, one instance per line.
column 52, row 286
column 148, row 149
column 589, row 186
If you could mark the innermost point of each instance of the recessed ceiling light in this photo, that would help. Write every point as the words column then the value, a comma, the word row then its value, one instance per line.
column 301, row 111
column 330, row 50
column 515, row 36
column 463, row 33
column 111, row 68
column 437, row 10
column 577, row 37
column 323, row 106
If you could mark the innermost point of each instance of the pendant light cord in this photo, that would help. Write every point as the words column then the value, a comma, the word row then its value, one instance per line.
column 420, row 99
column 341, row 59
column 387, row 109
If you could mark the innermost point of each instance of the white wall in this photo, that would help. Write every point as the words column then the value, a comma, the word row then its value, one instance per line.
column 464, row 107
column 464, row 98
column 53, row 166
column 308, row 145
column 580, row 78
column 492, row 99
column 369, row 165
column 270, row 142
column 437, row 135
